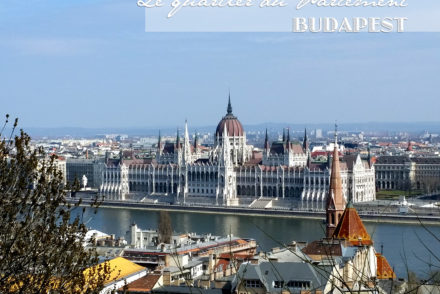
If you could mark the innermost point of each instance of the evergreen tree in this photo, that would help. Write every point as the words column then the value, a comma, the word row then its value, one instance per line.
column 41, row 244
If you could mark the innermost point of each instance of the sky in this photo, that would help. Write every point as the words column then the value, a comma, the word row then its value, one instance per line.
column 91, row 64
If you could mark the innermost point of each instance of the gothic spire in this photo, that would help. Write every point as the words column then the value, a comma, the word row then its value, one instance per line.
column 284, row 134
column 306, row 141
column 186, row 144
column 288, row 139
column 159, row 142
column 369, row 155
column 229, row 109
column 177, row 139
column 335, row 198
column 266, row 141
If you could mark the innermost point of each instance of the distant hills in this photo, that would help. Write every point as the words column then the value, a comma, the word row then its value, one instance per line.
column 383, row 128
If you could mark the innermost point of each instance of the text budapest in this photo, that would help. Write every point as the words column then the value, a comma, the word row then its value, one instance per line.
column 349, row 25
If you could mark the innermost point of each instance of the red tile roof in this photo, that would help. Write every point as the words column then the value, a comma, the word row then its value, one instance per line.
column 144, row 284
column 351, row 228
column 384, row 270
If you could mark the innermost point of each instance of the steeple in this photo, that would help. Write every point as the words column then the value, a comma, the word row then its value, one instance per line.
column 159, row 144
column 266, row 142
column 288, row 139
column 177, row 140
column 229, row 109
column 305, row 141
column 284, row 134
column 335, row 197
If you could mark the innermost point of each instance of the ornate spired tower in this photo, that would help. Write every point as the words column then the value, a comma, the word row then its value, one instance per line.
column 335, row 199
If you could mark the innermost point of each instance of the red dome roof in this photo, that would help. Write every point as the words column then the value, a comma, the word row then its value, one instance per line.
column 233, row 125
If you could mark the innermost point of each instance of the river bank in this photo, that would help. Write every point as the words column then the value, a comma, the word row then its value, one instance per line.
column 296, row 214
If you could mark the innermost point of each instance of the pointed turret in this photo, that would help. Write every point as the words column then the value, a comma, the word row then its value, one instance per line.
column 335, row 197
column 186, row 144
column 178, row 139
column 159, row 140
column 369, row 156
column 288, row 139
column 196, row 139
column 159, row 148
column 284, row 134
column 266, row 142
column 305, row 141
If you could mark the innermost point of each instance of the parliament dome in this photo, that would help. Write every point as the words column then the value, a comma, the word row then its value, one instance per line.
column 231, row 122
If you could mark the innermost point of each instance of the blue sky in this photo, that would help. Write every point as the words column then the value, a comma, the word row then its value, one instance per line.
column 90, row 64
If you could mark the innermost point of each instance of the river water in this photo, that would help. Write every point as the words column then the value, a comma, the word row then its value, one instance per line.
column 404, row 245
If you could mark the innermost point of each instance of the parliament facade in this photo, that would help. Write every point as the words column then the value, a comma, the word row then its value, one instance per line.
column 233, row 172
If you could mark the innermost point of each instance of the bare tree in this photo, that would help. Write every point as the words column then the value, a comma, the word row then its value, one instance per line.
column 165, row 229
column 41, row 243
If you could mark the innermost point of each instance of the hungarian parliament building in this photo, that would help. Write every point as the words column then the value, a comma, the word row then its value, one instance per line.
column 233, row 172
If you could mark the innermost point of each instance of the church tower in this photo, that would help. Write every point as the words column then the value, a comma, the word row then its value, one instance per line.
column 335, row 199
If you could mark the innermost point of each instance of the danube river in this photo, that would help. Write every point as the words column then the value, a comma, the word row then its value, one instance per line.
column 404, row 245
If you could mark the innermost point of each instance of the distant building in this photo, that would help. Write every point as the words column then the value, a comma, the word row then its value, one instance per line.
column 91, row 168
column 407, row 173
column 318, row 133
column 280, row 277
column 145, row 247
